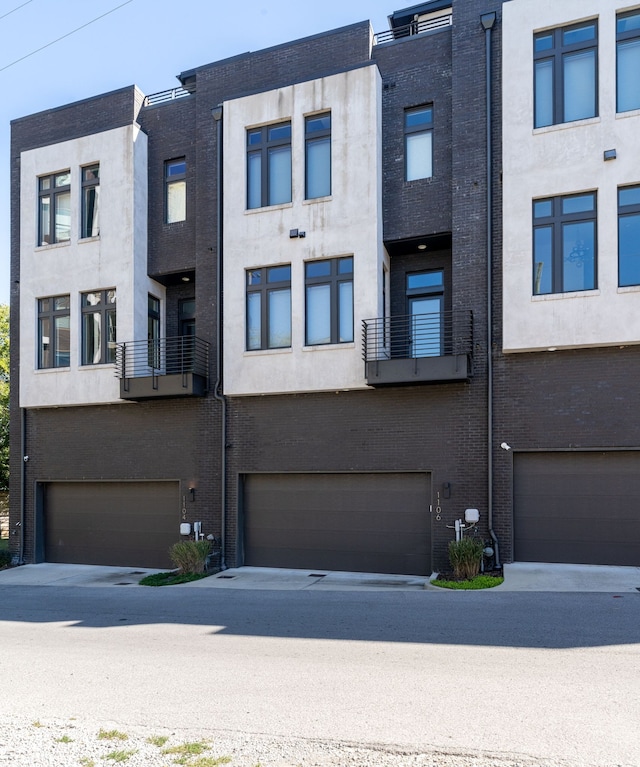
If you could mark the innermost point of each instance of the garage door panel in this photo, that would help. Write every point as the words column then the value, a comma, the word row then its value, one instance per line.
column 577, row 507
column 359, row 522
column 111, row 523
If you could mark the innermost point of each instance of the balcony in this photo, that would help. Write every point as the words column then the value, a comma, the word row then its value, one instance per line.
column 167, row 367
column 419, row 348
column 428, row 23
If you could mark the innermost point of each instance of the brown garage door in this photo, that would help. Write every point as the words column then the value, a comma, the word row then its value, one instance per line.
column 377, row 523
column 129, row 524
column 581, row 508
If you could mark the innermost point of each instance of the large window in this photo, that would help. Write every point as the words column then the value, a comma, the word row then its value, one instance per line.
column 565, row 64
column 175, row 177
column 269, row 165
column 98, row 327
column 628, row 79
column 318, row 156
column 53, row 332
column 418, row 143
column 425, row 298
column 329, row 301
column 54, row 208
column 269, row 307
column 564, row 244
column 629, row 235
column 90, row 201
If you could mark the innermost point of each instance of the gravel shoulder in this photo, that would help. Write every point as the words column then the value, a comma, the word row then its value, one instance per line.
column 63, row 743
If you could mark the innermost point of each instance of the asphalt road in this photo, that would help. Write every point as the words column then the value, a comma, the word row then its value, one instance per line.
column 552, row 676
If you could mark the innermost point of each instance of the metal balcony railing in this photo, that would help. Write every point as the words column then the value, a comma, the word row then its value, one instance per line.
column 164, row 96
column 178, row 355
column 414, row 28
column 440, row 334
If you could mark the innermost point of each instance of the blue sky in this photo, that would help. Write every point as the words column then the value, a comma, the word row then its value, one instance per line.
column 143, row 42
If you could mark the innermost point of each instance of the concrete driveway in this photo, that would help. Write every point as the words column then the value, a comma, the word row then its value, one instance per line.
column 520, row 576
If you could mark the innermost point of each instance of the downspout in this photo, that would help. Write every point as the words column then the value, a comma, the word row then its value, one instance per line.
column 217, row 391
column 488, row 20
column 23, row 480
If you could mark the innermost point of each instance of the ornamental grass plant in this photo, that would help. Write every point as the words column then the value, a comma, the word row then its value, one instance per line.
column 465, row 557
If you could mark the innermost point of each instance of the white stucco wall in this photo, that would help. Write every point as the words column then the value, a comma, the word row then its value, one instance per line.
column 116, row 259
column 348, row 223
column 559, row 160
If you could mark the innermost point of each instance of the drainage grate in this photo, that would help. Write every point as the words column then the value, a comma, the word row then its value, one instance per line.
column 227, row 577
column 137, row 572
column 317, row 575
column 124, row 583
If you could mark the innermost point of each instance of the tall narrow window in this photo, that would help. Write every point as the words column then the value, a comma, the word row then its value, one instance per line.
column 54, row 208
column 269, row 165
column 329, row 301
column 418, row 143
column 564, row 244
column 425, row 298
column 90, row 201
column 153, row 331
column 318, row 156
column 269, row 307
column 98, row 327
column 53, row 332
column 628, row 77
column 629, row 235
column 565, row 74
column 175, row 176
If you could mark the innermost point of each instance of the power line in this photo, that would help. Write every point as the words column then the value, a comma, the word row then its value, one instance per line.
column 8, row 13
column 57, row 40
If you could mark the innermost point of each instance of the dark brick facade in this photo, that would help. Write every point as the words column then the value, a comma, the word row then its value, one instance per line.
column 439, row 428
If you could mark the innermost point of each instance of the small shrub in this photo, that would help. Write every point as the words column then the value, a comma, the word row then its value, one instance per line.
column 5, row 558
column 112, row 735
column 120, row 756
column 64, row 739
column 157, row 740
column 172, row 578
column 190, row 556
column 465, row 556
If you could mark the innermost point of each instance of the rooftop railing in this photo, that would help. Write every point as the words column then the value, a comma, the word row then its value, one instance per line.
column 165, row 96
column 414, row 28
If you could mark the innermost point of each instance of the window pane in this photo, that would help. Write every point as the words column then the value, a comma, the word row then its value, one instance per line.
column 279, row 318
column 543, row 43
column 318, row 314
column 61, row 302
column 419, row 155
column 629, row 23
column 345, row 317
column 111, row 336
column 44, row 334
column 629, row 195
column 45, row 221
column 345, row 265
column 542, row 208
column 580, row 204
column 92, row 338
column 578, row 262
column 63, row 216
column 417, row 117
column 542, row 261
column 318, row 168
column 321, row 122
column 544, row 93
column 61, row 325
column 318, row 269
column 628, row 75
column 278, row 273
column 629, row 245
column 579, row 35
column 254, row 277
column 279, row 175
column 254, row 181
column 91, row 174
column 176, row 168
column 253, row 321
column 579, row 85
column 426, row 327
column 279, row 132
column 90, row 209
column 176, row 201
column 254, row 137
column 45, row 183
column 62, row 179
column 424, row 280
